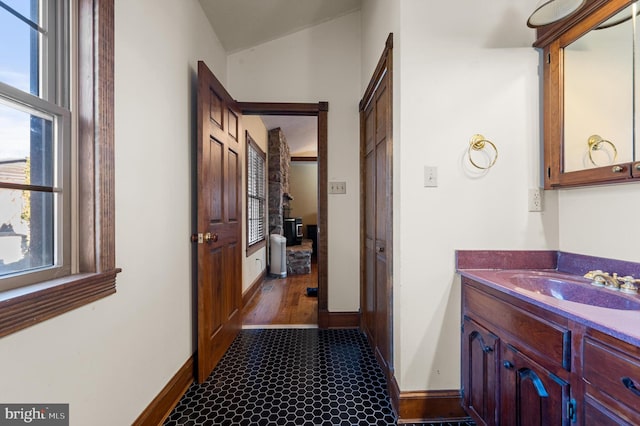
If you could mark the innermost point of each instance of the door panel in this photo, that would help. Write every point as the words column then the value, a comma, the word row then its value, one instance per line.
column 530, row 394
column 215, row 180
column 376, row 212
column 480, row 372
column 368, row 293
column 232, row 187
column 218, row 168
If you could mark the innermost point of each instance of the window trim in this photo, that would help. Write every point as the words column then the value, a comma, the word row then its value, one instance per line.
column 96, row 277
column 251, row 143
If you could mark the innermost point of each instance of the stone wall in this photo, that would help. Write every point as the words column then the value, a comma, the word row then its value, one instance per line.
column 279, row 160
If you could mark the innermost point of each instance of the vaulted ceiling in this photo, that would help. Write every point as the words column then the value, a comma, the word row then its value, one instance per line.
column 241, row 24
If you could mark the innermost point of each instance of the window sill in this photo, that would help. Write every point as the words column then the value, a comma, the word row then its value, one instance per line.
column 30, row 305
column 255, row 247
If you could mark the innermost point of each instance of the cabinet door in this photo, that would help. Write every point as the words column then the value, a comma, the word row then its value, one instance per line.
column 530, row 394
column 480, row 371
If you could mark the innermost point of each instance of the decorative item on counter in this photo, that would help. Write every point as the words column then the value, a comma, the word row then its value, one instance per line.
column 595, row 144
column 479, row 143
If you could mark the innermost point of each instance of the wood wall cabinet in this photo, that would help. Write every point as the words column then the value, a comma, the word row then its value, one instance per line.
column 525, row 365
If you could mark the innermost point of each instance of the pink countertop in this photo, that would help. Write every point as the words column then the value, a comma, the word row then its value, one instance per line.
column 623, row 324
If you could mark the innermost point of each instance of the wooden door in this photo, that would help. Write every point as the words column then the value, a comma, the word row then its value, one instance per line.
column 376, row 214
column 219, row 218
column 480, row 351
column 530, row 395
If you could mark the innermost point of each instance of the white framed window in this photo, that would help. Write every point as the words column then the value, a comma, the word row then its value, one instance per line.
column 256, row 195
column 35, row 142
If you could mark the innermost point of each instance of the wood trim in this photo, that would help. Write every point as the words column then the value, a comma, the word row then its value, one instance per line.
column 310, row 159
column 96, row 175
column 320, row 110
column 26, row 306
column 426, row 406
column 162, row 405
column 255, row 247
column 281, row 108
column 385, row 61
column 548, row 33
column 253, row 288
column 323, row 203
column 250, row 142
column 328, row 319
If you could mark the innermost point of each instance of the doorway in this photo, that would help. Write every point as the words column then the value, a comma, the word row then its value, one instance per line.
column 285, row 300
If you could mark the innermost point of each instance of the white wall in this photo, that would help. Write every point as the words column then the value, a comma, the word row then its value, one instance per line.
column 459, row 78
column 321, row 63
column 255, row 264
column 601, row 221
column 303, row 183
column 109, row 359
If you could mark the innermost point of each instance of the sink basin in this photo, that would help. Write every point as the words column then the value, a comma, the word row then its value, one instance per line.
column 569, row 287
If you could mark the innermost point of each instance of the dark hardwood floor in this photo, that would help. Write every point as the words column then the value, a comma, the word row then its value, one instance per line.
column 284, row 301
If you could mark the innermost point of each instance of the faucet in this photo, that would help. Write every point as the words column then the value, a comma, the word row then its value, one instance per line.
column 612, row 282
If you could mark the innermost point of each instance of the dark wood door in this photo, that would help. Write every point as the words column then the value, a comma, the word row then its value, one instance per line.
column 376, row 201
column 480, row 373
column 219, row 218
column 529, row 394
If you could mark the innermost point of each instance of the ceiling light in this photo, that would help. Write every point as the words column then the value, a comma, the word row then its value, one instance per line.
column 550, row 11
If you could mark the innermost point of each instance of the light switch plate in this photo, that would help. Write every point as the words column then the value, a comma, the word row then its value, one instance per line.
column 337, row 187
column 430, row 177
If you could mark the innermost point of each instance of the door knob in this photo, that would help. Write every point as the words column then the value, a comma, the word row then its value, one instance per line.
column 208, row 237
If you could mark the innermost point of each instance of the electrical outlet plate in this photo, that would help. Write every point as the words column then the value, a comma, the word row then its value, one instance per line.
column 535, row 200
column 337, row 187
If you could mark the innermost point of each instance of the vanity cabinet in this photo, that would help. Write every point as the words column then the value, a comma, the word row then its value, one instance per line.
column 524, row 364
column 515, row 361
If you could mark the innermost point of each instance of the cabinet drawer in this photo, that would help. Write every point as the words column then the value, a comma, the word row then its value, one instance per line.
column 544, row 340
column 612, row 372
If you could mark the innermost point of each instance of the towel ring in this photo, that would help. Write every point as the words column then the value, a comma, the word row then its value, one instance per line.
column 478, row 143
column 595, row 144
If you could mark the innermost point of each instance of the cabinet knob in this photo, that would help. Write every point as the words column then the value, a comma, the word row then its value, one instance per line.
column 617, row 169
column 487, row 349
column 508, row 365
column 628, row 383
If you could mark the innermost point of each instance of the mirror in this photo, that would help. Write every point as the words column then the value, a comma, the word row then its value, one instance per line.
column 598, row 96
column 591, row 96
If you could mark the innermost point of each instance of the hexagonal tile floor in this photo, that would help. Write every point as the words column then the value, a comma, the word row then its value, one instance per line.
column 291, row 377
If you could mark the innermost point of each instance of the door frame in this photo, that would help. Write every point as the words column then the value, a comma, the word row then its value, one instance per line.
column 320, row 110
